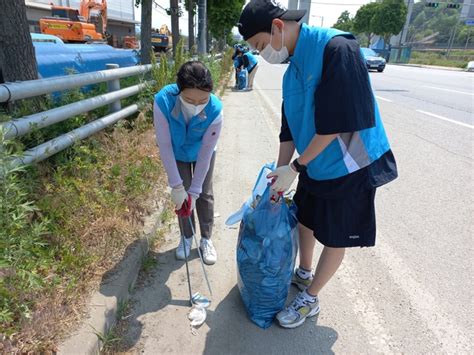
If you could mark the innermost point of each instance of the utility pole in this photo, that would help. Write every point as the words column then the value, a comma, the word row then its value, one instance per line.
column 191, row 25
column 292, row 4
column 468, row 37
column 403, row 36
column 452, row 39
column 174, row 9
column 202, row 23
column 305, row 5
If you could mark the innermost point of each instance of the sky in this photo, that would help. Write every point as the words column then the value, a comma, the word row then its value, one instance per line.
column 326, row 11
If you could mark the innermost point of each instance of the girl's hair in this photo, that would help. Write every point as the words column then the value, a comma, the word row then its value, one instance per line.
column 194, row 75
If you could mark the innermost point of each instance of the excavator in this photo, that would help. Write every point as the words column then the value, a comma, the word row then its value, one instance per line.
column 79, row 26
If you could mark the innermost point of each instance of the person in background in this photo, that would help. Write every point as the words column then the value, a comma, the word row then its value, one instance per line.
column 188, row 122
column 249, row 62
column 330, row 117
column 237, row 59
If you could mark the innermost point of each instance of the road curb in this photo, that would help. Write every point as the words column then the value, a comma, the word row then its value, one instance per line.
column 104, row 303
column 428, row 66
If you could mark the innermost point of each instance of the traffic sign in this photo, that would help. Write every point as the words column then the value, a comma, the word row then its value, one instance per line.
column 469, row 22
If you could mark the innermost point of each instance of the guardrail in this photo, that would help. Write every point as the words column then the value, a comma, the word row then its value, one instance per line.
column 32, row 88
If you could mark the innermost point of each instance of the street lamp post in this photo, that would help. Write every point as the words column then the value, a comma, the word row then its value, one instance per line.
column 321, row 17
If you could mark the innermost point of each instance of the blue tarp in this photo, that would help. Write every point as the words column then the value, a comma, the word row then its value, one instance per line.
column 55, row 58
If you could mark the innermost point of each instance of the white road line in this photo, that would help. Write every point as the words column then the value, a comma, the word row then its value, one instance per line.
column 383, row 98
column 446, row 119
column 452, row 340
column 449, row 90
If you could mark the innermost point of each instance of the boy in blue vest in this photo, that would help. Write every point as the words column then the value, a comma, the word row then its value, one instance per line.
column 330, row 117
column 249, row 62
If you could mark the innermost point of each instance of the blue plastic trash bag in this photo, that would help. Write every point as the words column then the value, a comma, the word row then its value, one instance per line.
column 243, row 79
column 266, row 252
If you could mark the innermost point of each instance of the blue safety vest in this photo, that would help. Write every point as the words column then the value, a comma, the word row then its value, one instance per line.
column 186, row 138
column 237, row 62
column 345, row 154
column 253, row 61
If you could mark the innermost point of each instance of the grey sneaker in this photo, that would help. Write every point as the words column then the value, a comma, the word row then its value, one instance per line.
column 296, row 313
column 299, row 282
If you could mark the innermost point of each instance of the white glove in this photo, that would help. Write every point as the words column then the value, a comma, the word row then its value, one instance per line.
column 178, row 196
column 193, row 202
column 284, row 177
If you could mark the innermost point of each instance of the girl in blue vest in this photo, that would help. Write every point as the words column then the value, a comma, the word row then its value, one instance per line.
column 188, row 122
column 237, row 60
column 331, row 119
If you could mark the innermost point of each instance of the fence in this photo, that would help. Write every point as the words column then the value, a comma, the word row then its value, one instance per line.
column 29, row 89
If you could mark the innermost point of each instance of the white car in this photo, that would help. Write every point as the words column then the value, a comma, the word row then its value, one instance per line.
column 470, row 66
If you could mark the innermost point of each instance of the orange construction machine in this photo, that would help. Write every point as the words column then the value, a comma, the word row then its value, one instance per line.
column 81, row 25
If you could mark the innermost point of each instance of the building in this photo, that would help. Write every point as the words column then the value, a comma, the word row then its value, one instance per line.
column 120, row 13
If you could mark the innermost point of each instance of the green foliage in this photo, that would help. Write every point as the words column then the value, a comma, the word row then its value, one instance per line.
column 186, row 6
column 363, row 20
column 457, row 59
column 428, row 21
column 344, row 22
column 223, row 16
column 25, row 257
column 389, row 18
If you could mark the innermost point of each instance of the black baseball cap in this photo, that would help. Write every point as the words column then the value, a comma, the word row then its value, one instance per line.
column 258, row 15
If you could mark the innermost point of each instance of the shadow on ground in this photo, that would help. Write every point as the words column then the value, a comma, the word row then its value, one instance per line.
column 130, row 330
column 231, row 332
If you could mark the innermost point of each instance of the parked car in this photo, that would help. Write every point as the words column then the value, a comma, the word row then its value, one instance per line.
column 373, row 60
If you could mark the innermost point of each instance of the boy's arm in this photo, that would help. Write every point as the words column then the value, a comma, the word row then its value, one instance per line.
column 287, row 146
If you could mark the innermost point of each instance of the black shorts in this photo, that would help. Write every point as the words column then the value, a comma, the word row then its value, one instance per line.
column 345, row 221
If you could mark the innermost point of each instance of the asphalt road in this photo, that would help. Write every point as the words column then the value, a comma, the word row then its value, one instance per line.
column 412, row 293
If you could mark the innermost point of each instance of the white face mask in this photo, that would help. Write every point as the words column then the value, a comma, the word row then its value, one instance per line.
column 271, row 55
column 191, row 110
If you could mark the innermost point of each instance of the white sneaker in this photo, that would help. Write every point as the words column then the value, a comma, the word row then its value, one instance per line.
column 180, row 249
column 208, row 251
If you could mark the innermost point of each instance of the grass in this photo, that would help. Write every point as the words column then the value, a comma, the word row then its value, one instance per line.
column 107, row 339
column 122, row 309
column 457, row 58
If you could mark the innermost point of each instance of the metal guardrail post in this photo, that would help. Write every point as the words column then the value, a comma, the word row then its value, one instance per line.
column 114, row 85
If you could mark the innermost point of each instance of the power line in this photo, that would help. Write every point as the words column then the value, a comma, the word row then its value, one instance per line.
column 166, row 10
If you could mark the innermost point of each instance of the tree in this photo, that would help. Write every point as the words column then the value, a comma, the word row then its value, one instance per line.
column 175, row 11
column 438, row 22
column 389, row 19
column 363, row 20
column 223, row 15
column 344, row 22
column 17, row 54
column 190, row 6
column 145, row 30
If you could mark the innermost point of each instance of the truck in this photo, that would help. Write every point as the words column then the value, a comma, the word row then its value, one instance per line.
column 161, row 40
